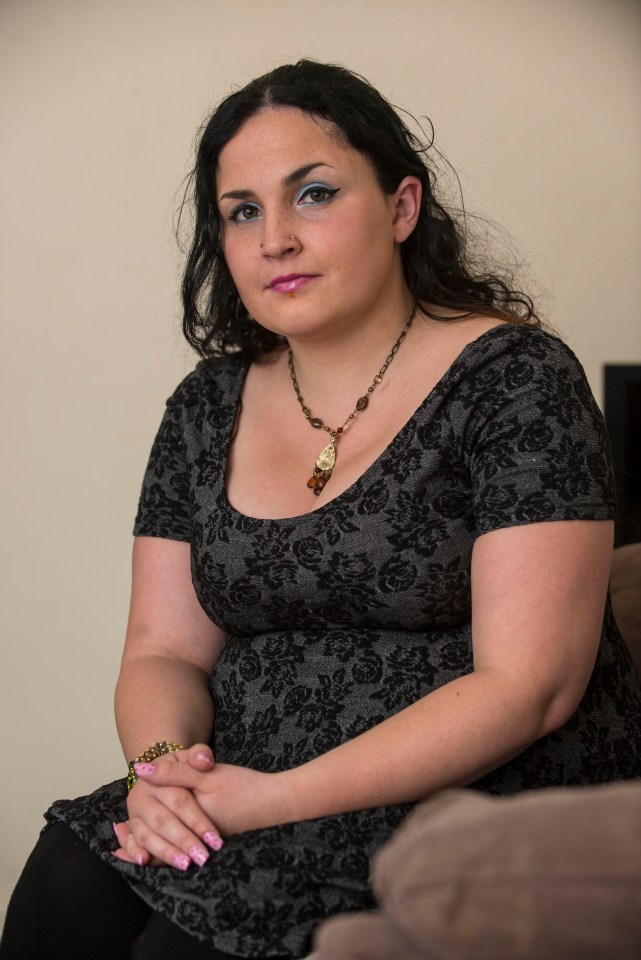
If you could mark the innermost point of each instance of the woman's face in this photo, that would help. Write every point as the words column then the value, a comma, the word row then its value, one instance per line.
column 286, row 175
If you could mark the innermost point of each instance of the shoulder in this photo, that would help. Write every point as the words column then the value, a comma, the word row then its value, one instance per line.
column 521, row 374
column 510, row 350
column 513, row 338
column 535, row 436
column 482, row 353
column 477, row 339
column 213, row 382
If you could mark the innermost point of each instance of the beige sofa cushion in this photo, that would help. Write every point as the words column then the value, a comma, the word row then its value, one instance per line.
column 544, row 874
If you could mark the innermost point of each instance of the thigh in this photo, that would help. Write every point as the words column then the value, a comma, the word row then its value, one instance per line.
column 69, row 905
column 163, row 940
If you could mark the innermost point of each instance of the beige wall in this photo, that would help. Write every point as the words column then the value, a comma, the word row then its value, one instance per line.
column 534, row 101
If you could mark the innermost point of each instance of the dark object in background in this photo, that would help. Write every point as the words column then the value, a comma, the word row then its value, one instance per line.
column 623, row 420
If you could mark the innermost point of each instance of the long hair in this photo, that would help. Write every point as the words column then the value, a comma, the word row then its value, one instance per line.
column 438, row 267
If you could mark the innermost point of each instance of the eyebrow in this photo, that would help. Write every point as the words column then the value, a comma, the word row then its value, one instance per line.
column 294, row 177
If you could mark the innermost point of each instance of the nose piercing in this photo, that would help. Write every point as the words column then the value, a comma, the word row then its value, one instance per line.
column 290, row 237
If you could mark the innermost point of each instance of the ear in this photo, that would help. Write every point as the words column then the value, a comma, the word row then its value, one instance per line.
column 405, row 203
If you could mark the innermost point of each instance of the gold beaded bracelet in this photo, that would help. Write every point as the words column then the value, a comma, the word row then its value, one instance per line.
column 155, row 750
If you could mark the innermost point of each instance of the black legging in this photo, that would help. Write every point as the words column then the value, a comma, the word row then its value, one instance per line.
column 69, row 905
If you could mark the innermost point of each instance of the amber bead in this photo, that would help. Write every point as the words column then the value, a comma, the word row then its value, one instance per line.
column 316, row 422
column 311, row 482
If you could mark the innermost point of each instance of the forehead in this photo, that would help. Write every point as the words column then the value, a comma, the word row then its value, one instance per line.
column 279, row 139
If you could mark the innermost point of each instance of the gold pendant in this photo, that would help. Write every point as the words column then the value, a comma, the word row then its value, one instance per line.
column 323, row 468
column 327, row 458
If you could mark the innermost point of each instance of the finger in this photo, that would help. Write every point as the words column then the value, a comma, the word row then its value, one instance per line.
column 166, row 846
column 121, row 854
column 165, row 809
column 200, row 757
column 134, row 853
column 121, row 831
column 175, row 829
column 137, row 854
column 190, row 814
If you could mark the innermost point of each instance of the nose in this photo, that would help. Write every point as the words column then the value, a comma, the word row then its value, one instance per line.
column 278, row 242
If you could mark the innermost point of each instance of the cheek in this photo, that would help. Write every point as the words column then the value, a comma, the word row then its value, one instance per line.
column 240, row 263
column 365, row 229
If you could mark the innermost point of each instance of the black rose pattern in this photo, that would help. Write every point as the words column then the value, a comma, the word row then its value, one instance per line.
column 397, row 575
column 367, row 667
column 534, row 437
column 309, row 552
column 374, row 498
column 339, row 618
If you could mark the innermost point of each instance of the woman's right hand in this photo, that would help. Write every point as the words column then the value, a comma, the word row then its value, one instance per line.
column 166, row 825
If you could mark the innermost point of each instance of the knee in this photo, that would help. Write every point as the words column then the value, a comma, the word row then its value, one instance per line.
column 58, row 870
column 64, row 903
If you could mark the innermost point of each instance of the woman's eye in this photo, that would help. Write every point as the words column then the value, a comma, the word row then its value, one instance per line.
column 244, row 213
column 317, row 193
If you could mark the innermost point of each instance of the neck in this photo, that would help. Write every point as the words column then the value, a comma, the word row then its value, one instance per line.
column 338, row 368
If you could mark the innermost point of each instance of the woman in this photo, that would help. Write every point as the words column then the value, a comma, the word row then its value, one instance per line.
column 373, row 542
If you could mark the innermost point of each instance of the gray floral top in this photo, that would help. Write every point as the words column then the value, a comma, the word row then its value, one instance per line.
column 341, row 617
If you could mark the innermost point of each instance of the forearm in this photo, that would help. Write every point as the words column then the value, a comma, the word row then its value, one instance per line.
column 452, row 737
column 162, row 698
column 449, row 738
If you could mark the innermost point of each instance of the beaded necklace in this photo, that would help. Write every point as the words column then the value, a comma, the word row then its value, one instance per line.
column 326, row 461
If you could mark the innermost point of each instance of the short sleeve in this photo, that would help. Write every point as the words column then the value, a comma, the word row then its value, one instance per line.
column 538, row 445
column 163, row 508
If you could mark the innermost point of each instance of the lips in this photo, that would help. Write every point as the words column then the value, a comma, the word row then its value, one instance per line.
column 291, row 282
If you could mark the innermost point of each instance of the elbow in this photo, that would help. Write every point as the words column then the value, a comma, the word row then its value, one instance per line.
column 559, row 708
column 563, row 692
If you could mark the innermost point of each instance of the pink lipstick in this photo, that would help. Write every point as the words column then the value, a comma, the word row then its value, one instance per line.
column 291, row 282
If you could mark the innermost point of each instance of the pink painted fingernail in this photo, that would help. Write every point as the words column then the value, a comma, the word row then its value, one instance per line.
column 204, row 757
column 198, row 854
column 115, row 826
column 212, row 840
column 142, row 768
column 181, row 861
column 138, row 859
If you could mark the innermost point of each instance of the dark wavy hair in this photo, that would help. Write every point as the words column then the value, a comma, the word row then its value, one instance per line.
column 439, row 269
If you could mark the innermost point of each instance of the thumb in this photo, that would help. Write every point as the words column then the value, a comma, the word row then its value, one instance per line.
column 169, row 774
column 200, row 757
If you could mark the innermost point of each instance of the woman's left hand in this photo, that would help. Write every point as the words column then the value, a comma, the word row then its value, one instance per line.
column 236, row 798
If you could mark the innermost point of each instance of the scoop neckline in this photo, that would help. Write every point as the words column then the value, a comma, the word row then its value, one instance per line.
column 499, row 329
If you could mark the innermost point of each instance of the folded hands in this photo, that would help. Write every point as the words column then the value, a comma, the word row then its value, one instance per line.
column 184, row 804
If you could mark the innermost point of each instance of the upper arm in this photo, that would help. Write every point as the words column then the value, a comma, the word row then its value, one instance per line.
column 538, row 597
column 543, row 499
column 165, row 617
